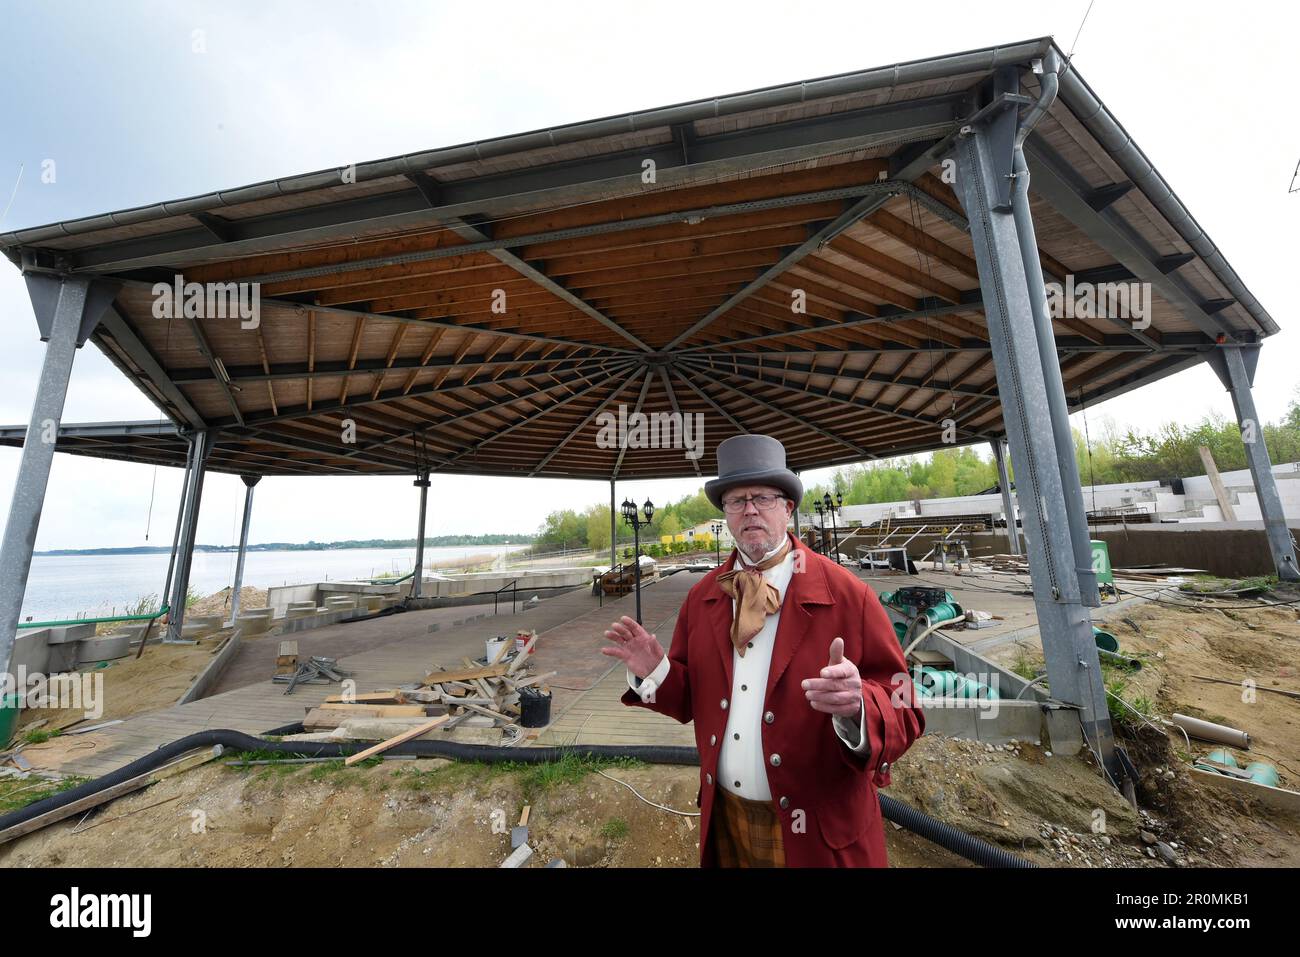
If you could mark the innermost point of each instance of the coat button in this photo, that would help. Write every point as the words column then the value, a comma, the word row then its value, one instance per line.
column 785, row 803
column 769, row 717
column 713, row 739
column 884, row 767
column 724, row 704
column 775, row 760
column 708, row 779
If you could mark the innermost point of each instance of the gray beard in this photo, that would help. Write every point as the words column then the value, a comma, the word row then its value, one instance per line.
column 758, row 551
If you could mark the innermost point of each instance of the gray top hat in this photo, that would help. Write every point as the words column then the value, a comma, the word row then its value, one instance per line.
column 752, row 460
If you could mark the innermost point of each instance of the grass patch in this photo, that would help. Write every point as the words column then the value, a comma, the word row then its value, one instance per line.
column 536, row 779
column 1024, row 665
column 40, row 736
column 615, row 829
column 16, row 793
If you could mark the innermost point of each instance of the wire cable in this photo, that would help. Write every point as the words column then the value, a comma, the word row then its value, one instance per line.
column 647, row 800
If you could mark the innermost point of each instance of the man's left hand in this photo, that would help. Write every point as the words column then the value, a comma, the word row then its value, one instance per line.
column 839, row 688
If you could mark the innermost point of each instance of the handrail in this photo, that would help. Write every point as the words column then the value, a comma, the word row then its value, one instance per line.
column 513, row 585
column 86, row 621
column 391, row 581
column 915, row 534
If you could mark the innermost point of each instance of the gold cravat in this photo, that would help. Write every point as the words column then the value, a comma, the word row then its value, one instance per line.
column 755, row 597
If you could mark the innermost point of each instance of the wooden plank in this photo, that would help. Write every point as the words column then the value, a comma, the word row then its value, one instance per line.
column 395, row 741
column 486, row 711
column 522, row 658
column 375, row 710
column 466, row 674
column 369, row 697
column 76, row 807
column 1278, row 798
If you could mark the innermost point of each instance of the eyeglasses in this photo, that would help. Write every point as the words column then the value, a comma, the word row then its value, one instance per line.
column 764, row 502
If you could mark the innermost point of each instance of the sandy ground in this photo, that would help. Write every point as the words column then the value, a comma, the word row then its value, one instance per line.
column 1237, row 642
column 130, row 686
column 218, row 603
column 1053, row 810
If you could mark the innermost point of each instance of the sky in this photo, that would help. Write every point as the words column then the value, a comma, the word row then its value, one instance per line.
column 138, row 102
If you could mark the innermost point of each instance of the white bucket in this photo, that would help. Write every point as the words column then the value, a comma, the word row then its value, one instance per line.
column 493, row 646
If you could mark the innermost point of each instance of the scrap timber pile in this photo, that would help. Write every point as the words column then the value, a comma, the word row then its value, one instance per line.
column 479, row 694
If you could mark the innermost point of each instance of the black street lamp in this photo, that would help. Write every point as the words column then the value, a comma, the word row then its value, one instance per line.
column 631, row 517
column 831, row 508
column 717, row 540
column 821, row 526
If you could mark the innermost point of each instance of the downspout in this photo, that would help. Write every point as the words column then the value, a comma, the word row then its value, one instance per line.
column 1057, row 408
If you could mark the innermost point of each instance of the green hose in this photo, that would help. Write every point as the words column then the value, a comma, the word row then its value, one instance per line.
column 88, row 621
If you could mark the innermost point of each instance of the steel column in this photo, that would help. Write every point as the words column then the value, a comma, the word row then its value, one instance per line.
column 67, row 310
column 1236, row 370
column 422, row 483
column 1075, row 510
column 250, row 482
column 176, row 536
column 1074, row 673
column 613, row 527
column 202, row 442
column 1008, row 503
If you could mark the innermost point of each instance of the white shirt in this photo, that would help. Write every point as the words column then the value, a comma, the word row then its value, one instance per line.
column 741, row 767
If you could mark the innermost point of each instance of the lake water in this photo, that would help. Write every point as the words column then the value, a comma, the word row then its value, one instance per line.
column 63, row 586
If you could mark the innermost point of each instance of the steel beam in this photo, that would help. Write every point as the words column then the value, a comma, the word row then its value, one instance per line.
column 67, row 310
column 1008, row 503
column 250, row 483
column 1235, row 367
column 728, row 152
column 1064, row 622
column 422, row 483
column 473, row 234
column 1055, row 182
column 189, row 530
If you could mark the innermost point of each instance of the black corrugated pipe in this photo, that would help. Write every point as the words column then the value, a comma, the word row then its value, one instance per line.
column 921, row 824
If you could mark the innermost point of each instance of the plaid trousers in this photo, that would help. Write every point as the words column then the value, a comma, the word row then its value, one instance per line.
column 745, row 833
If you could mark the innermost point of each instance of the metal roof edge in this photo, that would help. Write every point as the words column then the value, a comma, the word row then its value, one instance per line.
column 983, row 59
column 1079, row 97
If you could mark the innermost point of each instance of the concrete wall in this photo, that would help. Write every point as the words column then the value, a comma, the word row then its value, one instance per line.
column 1229, row 550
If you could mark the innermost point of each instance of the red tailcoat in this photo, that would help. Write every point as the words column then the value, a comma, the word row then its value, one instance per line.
column 824, row 793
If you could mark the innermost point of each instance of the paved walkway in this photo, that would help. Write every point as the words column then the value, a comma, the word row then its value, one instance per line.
column 571, row 632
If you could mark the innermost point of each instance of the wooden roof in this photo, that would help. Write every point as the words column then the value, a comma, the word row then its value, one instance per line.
column 382, row 287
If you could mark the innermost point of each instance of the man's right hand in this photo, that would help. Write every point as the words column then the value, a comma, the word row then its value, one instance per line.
column 634, row 646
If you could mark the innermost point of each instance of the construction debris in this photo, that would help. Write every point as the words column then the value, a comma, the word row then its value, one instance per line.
column 479, row 694
column 519, row 833
column 286, row 662
column 312, row 671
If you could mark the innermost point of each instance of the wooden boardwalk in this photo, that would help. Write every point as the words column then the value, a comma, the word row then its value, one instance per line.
column 571, row 632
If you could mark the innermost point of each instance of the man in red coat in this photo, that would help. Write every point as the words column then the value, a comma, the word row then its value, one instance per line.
column 790, row 670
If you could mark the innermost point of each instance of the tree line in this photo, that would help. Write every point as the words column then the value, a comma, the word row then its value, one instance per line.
column 1106, row 454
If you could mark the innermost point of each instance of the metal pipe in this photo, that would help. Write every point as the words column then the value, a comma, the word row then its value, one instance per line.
column 613, row 528
column 250, row 482
column 1058, row 412
column 1209, row 731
